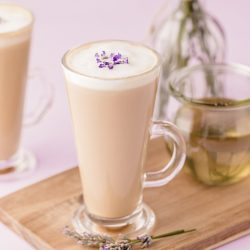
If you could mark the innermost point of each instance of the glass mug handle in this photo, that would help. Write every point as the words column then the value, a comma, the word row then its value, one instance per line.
column 44, row 102
column 177, row 160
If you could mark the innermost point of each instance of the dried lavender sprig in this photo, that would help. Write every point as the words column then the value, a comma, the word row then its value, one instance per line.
column 106, row 243
column 87, row 239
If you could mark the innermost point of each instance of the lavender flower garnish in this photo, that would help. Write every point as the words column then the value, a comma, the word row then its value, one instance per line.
column 106, row 243
column 104, row 60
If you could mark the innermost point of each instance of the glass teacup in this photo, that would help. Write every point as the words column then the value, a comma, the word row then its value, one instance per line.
column 211, row 106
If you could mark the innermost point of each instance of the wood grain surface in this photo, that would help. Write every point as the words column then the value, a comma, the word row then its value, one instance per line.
column 39, row 212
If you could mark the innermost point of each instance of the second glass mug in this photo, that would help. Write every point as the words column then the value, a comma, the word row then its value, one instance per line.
column 112, row 130
column 14, row 56
column 210, row 104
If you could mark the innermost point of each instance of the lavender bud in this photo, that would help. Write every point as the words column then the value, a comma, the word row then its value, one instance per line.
column 109, row 61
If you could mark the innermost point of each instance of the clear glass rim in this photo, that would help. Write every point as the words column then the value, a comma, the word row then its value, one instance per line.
column 155, row 67
column 180, row 74
column 29, row 25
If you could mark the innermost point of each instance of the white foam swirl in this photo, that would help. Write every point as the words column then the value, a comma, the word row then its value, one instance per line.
column 13, row 18
column 81, row 67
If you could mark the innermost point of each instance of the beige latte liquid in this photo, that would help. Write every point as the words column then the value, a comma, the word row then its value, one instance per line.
column 14, row 52
column 110, row 136
column 111, row 118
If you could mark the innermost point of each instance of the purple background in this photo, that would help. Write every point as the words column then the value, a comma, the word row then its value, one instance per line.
column 61, row 24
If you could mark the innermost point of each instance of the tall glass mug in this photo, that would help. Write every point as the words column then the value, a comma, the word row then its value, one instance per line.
column 111, row 88
column 15, row 36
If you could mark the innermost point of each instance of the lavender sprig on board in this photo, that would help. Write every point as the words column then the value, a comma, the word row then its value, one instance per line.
column 107, row 243
column 87, row 239
column 105, row 60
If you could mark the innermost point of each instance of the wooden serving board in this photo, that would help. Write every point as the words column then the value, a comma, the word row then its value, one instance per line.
column 39, row 212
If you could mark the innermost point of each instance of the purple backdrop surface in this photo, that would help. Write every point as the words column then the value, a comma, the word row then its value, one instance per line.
column 63, row 24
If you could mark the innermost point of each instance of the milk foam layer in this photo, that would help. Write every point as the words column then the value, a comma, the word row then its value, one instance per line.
column 81, row 67
column 13, row 18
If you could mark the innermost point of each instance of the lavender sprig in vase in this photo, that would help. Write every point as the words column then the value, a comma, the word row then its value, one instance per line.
column 187, row 36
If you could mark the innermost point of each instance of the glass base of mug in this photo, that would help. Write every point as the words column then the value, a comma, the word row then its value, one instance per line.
column 18, row 166
column 140, row 222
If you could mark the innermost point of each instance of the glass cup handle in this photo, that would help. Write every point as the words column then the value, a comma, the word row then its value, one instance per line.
column 177, row 160
column 44, row 102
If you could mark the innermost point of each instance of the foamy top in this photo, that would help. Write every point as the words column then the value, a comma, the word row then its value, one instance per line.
column 13, row 18
column 81, row 68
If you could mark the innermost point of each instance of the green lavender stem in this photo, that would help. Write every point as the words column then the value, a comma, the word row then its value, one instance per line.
column 177, row 232
column 160, row 236
column 194, row 12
